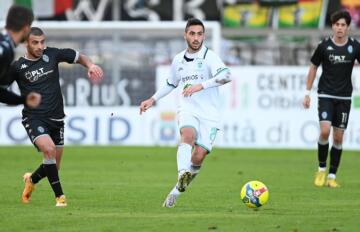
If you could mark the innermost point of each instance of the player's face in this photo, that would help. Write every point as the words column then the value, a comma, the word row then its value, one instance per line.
column 194, row 37
column 340, row 28
column 35, row 46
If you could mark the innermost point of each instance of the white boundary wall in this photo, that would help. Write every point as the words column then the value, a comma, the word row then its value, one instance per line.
column 262, row 109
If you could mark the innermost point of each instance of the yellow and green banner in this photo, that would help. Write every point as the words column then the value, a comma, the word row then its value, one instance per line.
column 304, row 14
column 246, row 15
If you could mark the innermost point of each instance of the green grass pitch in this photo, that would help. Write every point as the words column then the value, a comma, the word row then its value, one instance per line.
column 122, row 189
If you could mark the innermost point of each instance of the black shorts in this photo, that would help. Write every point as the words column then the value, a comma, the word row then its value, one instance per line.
column 36, row 127
column 334, row 110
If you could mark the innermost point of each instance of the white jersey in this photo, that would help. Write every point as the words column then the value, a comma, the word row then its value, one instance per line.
column 206, row 65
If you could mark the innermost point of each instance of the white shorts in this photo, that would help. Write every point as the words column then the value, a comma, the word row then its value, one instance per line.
column 205, row 129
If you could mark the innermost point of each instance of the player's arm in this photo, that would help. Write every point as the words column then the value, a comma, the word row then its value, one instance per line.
column 95, row 73
column 160, row 93
column 309, row 83
column 170, row 85
column 31, row 100
column 316, row 60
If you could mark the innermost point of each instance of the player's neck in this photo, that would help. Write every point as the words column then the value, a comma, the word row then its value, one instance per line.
column 30, row 57
column 15, row 36
column 340, row 40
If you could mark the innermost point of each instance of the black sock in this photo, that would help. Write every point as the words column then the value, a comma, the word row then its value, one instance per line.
column 323, row 150
column 335, row 156
column 38, row 174
column 53, row 177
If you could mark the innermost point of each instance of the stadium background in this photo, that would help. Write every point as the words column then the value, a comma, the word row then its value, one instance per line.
column 115, row 187
column 267, row 44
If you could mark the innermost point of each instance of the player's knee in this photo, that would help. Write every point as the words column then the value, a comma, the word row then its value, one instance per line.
column 188, row 138
column 338, row 140
column 198, row 160
column 49, row 151
column 324, row 135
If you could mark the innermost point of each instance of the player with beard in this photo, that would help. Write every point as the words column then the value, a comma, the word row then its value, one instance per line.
column 198, row 71
column 38, row 71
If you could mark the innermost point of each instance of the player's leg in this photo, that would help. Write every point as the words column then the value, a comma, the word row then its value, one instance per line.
column 205, row 140
column 342, row 111
column 57, row 135
column 197, row 159
column 59, row 152
column 187, row 125
column 325, row 110
column 35, row 129
column 47, row 147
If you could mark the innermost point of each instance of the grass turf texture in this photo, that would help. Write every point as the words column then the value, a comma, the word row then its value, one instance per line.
column 122, row 189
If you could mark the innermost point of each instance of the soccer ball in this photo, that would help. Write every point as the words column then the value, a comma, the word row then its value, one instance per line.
column 254, row 194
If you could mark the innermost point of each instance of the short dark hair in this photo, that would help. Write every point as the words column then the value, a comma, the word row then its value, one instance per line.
column 18, row 17
column 36, row 31
column 340, row 14
column 192, row 22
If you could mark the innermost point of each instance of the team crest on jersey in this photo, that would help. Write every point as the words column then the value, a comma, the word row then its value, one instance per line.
column 45, row 58
column 199, row 64
column 41, row 129
column 324, row 115
column 350, row 48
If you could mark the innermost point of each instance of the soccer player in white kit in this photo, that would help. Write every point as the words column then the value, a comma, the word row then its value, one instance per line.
column 198, row 71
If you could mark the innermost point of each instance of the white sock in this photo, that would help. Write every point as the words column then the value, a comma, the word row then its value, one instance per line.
column 184, row 156
column 322, row 169
column 175, row 191
column 332, row 176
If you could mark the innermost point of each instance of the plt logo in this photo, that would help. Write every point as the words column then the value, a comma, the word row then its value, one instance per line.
column 34, row 75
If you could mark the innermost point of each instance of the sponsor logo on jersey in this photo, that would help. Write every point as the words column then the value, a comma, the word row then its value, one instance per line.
column 186, row 86
column 329, row 48
column 45, row 58
column 34, row 75
column 23, row 66
column 191, row 77
column 350, row 48
column 335, row 59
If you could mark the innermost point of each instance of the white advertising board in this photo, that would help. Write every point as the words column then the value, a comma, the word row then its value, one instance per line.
column 261, row 109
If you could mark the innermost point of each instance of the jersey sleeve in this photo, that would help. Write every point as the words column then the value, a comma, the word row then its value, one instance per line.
column 12, row 75
column 173, row 79
column 357, row 49
column 316, row 58
column 67, row 55
column 10, row 98
column 216, row 65
column 5, row 51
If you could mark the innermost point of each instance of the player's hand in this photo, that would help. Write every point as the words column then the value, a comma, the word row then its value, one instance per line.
column 33, row 100
column 192, row 89
column 95, row 74
column 146, row 104
column 306, row 102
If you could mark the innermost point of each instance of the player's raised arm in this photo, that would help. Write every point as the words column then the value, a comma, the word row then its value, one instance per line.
column 95, row 72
